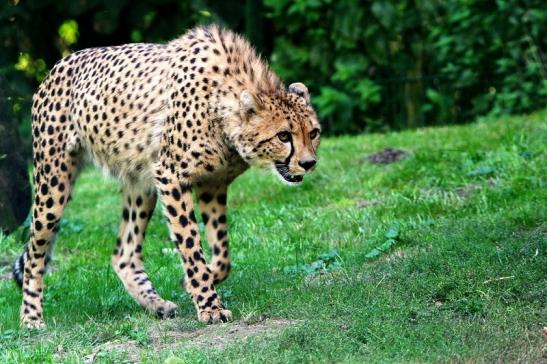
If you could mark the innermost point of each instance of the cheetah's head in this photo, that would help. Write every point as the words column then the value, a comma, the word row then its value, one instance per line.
column 279, row 131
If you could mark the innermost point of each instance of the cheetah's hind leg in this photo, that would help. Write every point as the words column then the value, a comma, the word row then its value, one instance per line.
column 54, row 175
column 138, row 207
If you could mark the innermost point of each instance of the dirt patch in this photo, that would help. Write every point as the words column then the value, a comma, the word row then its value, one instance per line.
column 5, row 276
column 327, row 279
column 5, row 268
column 215, row 336
column 130, row 347
column 363, row 204
column 167, row 335
column 468, row 189
column 397, row 254
column 387, row 156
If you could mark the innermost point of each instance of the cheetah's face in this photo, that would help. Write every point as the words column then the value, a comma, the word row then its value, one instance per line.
column 280, row 132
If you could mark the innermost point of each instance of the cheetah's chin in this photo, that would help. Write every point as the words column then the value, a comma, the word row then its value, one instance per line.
column 286, row 177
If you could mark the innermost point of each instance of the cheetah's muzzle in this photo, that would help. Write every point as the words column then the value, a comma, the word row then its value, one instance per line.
column 283, row 170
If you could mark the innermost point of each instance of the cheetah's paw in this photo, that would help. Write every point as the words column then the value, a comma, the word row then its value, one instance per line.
column 30, row 324
column 166, row 309
column 215, row 316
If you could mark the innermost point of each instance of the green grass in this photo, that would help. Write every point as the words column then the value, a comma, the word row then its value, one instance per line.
column 446, row 261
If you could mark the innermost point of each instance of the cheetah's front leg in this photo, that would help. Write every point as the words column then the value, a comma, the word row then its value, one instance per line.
column 178, row 208
column 212, row 203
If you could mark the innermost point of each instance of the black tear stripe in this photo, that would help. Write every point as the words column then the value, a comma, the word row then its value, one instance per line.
column 288, row 159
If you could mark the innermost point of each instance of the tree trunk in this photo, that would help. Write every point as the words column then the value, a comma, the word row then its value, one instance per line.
column 414, row 88
column 15, row 192
column 254, row 24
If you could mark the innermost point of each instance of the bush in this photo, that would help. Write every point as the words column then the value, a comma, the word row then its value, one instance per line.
column 370, row 65
column 405, row 63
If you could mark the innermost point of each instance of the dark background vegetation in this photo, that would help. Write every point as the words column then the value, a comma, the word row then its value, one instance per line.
column 370, row 65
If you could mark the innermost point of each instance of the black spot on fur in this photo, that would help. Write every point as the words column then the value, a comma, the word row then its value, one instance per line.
column 206, row 197
column 171, row 210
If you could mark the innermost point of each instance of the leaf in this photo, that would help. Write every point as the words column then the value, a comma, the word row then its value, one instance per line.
column 369, row 92
column 434, row 96
column 136, row 36
column 327, row 262
column 68, row 31
column 384, row 12
column 392, row 232
column 481, row 171
column 330, row 256
column 331, row 101
column 380, row 249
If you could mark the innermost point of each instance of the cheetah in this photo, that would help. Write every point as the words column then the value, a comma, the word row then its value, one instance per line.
column 167, row 120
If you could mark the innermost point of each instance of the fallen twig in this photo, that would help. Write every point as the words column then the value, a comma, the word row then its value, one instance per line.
column 497, row 279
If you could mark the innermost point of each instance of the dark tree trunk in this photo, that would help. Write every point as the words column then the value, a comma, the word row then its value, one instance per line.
column 254, row 25
column 414, row 87
column 15, row 198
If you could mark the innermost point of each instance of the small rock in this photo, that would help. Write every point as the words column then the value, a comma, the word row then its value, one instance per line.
column 388, row 155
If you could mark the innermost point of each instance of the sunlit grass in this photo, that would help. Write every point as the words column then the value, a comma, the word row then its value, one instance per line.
column 463, row 280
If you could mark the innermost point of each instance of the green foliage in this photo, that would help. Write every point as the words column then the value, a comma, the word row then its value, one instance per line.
column 33, row 68
column 495, row 52
column 328, row 262
column 393, row 64
column 68, row 35
column 68, row 32
column 391, row 235
column 370, row 65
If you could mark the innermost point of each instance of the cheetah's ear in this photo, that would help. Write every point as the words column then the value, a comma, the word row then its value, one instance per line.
column 250, row 103
column 300, row 89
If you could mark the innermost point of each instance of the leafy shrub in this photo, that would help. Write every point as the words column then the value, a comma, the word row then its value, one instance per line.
column 392, row 64
column 370, row 65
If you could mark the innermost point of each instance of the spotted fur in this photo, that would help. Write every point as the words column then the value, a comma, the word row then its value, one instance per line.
column 165, row 119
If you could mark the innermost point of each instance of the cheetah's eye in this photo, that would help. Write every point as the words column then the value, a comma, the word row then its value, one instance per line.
column 284, row 136
column 314, row 133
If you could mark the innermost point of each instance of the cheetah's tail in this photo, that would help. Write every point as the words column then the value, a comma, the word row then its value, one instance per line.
column 19, row 267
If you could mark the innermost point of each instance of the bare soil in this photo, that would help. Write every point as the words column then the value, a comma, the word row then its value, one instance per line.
column 213, row 336
column 166, row 336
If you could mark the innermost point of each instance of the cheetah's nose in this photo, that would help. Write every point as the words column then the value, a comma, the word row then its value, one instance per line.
column 307, row 165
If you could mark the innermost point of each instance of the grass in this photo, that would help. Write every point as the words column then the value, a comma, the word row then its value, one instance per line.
column 438, row 257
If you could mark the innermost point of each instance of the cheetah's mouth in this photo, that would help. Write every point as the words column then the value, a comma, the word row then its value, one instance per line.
column 283, row 171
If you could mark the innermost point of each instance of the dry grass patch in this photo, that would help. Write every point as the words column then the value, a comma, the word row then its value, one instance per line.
column 167, row 336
